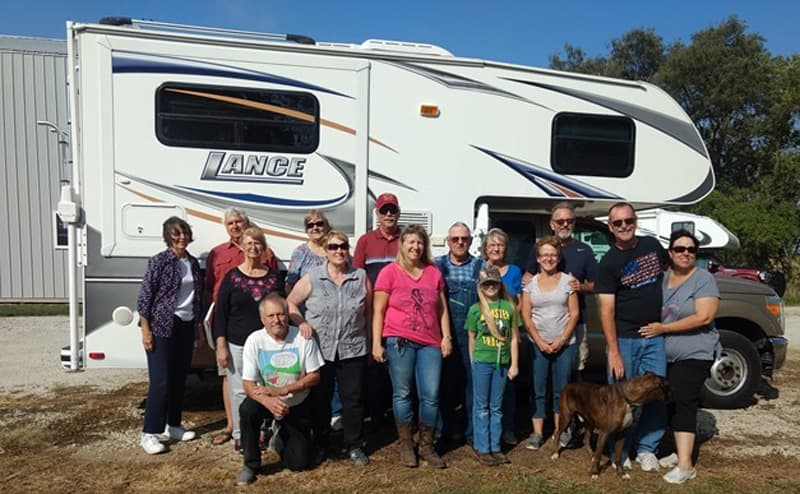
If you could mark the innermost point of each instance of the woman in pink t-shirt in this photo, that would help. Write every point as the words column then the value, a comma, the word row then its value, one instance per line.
column 410, row 311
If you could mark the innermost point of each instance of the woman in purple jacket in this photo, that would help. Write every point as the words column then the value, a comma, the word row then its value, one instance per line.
column 169, row 315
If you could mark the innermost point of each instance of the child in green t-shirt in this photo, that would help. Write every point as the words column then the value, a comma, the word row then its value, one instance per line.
column 493, row 336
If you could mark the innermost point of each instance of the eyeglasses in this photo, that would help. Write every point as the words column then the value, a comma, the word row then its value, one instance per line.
column 563, row 222
column 490, row 284
column 627, row 221
column 456, row 240
column 317, row 224
column 342, row 246
column 389, row 208
column 680, row 249
column 179, row 233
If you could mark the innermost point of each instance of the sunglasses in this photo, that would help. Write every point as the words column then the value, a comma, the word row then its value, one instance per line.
column 342, row 246
column 568, row 221
column 312, row 224
column 456, row 240
column 389, row 208
column 680, row 249
column 490, row 284
column 627, row 221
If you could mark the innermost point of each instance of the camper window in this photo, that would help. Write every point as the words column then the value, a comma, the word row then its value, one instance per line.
column 189, row 115
column 594, row 145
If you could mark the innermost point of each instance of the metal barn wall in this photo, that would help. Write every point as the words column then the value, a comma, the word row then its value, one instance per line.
column 33, row 85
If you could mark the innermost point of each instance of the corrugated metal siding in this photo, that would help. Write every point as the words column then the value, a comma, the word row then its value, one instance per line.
column 32, row 87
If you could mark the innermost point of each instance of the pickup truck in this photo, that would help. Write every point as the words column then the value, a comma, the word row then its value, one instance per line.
column 751, row 324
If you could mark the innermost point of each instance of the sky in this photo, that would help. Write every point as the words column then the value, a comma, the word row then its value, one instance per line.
column 523, row 32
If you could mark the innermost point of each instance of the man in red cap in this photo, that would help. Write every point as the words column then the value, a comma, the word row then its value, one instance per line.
column 374, row 250
column 377, row 248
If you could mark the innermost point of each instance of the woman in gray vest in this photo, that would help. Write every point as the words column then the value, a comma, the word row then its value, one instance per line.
column 338, row 302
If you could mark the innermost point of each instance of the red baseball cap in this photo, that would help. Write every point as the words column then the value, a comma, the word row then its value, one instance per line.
column 386, row 198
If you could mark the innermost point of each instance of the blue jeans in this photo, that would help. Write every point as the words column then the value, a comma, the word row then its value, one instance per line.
column 561, row 365
column 488, row 384
column 407, row 361
column 640, row 356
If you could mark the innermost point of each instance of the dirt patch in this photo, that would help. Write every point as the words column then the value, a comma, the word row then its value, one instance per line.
column 80, row 432
column 86, row 438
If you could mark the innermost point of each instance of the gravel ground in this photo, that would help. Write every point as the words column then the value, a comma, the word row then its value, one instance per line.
column 59, row 422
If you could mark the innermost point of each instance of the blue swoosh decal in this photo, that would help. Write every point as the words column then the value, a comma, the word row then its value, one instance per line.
column 544, row 178
column 258, row 199
column 122, row 64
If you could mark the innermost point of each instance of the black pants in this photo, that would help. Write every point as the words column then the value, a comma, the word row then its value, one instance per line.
column 350, row 374
column 378, row 391
column 167, row 366
column 686, row 378
column 294, row 434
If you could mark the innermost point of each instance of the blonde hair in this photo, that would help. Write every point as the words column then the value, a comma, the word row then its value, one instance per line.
column 418, row 230
column 494, row 233
column 336, row 234
column 486, row 311
column 256, row 234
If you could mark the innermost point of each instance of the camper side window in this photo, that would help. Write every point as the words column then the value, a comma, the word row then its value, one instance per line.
column 190, row 115
column 594, row 145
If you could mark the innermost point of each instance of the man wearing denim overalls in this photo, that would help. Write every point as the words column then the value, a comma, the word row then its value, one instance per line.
column 460, row 272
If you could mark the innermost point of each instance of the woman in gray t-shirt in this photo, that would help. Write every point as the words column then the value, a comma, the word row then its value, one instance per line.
column 690, row 302
column 549, row 310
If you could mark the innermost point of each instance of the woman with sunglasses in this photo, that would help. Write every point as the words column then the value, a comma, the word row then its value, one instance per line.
column 170, row 319
column 312, row 252
column 338, row 306
column 690, row 302
column 236, row 314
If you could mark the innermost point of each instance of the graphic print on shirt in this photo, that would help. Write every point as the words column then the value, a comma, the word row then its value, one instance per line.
column 419, row 321
column 255, row 287
column 279, row 367
column 641, row 271
column 500, row 316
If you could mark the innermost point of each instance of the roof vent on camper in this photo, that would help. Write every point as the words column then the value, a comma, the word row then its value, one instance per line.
column 405, row 47
column 116, row 21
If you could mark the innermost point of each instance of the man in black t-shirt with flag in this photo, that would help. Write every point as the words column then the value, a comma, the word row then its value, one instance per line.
column 629, row 292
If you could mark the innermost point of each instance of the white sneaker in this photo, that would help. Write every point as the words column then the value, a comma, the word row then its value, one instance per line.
column 648, row 461
column 678, row 475
column 151, row 444
column 669, row 461
column 178, row 433
column 336, row 423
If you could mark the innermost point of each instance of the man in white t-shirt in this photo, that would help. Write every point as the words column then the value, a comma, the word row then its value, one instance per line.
column 278, row 369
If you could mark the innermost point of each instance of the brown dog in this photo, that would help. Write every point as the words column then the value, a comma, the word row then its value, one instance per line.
column 606, row 410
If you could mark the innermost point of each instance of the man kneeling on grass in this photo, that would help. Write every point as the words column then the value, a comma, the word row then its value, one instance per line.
column 279, row 367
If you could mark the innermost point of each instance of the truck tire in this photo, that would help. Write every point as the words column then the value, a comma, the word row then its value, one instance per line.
column 735, row 374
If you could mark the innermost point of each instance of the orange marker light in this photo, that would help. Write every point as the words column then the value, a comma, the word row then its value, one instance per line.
column 431, row 111
column 775, row 309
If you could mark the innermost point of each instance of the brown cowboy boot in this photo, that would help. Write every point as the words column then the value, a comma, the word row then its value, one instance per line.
column 426, row 449
column 404, row 435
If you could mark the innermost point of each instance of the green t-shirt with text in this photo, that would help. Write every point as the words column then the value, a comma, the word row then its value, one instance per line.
column 488, row 349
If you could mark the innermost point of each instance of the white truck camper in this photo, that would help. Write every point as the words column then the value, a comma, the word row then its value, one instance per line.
column 180, row 120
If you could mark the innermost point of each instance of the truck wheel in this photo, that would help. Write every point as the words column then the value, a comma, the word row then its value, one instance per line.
column 734, row 375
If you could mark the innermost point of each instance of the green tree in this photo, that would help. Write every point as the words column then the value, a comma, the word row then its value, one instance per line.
column 637, row 55
column 732, row 89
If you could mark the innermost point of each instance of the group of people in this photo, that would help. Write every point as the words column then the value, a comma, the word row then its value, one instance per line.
column 446, row 329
